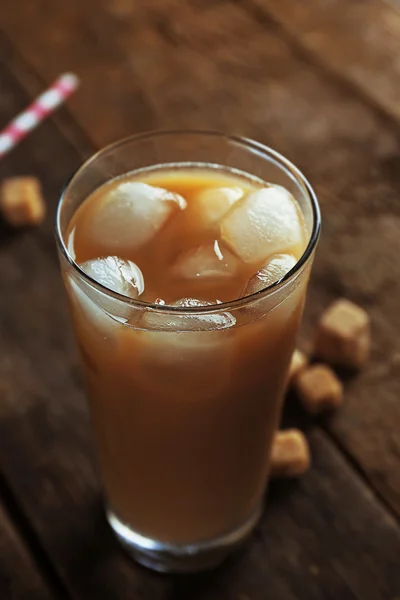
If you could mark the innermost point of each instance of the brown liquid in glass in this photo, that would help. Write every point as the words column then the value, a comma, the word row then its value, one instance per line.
column 184, row 420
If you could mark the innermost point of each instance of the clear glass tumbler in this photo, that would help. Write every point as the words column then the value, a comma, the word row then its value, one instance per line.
column 184, row 417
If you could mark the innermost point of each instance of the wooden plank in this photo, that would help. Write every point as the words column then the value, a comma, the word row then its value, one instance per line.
column 327, row 536
column 246, row 78
column 320, row 497
column 174, row 65
column 357, row 259
column 19, row 577
column 357, row 40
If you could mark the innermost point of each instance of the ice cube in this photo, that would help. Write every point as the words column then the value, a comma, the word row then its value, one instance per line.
column 188, row 322
column 213, row 203
column 100, row 311
column 121, row 276
column 186, row 356
column 132, row 213
column 274, row 269
column 89, row 310
column 210, row 261
column 263, row 223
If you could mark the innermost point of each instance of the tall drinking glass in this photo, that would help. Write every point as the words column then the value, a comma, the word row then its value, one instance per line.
column 184, row 417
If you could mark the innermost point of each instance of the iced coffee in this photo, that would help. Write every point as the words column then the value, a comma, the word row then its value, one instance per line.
column 186, row 293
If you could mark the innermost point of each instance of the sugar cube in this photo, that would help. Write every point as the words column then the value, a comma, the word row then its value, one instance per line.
column 21, row 201
column 290, row 454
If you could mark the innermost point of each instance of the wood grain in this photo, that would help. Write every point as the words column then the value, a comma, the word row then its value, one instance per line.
column 211, row 64
column 19, row 577
column 310, row 539
column 219, row 66
column 359, row 41
column 357, row 260
column 181, row 66
column 47, row 456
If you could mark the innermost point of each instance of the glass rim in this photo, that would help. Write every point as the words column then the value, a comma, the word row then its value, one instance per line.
column 223, row 306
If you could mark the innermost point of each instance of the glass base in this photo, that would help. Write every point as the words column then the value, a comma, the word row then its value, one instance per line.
column 176, row 558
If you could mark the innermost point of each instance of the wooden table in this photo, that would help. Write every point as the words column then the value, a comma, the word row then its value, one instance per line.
column 320, row 82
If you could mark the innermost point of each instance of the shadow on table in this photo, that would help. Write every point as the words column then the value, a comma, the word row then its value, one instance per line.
column 7, row 233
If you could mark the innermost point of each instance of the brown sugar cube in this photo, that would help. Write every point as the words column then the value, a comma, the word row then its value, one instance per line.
column 290, row 454
column 319, row 389
column 298, row 363
column 21, row 201
column 344, row 336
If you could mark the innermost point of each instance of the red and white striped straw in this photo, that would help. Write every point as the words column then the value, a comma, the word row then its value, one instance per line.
column 40, row 108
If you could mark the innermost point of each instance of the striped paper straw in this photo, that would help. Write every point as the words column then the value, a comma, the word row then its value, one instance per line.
column 40, row 108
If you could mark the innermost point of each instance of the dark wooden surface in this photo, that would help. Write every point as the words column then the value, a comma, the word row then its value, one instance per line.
column 320, row 82
column 21, row 576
